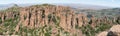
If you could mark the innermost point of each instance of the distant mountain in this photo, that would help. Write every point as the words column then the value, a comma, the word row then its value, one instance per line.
column 78, row 6
column 85, row 6
column 4, row 6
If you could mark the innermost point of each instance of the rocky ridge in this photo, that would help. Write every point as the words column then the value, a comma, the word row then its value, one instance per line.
column 57, row 17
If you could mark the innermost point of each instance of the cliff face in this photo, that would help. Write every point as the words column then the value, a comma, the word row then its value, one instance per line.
column 56, row 17
column 49, row 15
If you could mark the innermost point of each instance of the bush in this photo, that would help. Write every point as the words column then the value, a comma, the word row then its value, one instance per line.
column 89, row 31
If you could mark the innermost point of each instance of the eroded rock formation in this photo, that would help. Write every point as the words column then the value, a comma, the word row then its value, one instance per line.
column 60, row 16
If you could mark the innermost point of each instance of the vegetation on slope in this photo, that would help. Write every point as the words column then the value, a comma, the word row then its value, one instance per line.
column 8, row 26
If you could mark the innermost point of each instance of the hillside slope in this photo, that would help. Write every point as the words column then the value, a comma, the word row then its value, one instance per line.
column 51, row 20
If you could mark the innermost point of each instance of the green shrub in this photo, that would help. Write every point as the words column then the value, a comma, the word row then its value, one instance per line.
column 89, row 31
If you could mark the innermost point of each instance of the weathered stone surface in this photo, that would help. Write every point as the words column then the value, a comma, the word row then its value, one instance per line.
column 93, row 21
column 63, row 21
column 82, row 19
column 57, row 17
column 103, row 33
column 115, row 28
column 113, row 31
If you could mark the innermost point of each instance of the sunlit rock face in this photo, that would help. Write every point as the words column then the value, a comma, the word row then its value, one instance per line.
column 33, row 16
column 8, row 15
column 39, row 16
column 113, row 31
column 115, row 28
column 103, row 33
column 59, row 20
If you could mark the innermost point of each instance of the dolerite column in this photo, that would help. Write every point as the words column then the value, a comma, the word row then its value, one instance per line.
column 32, row 19
column 80, row 20
column 23, row 15
column 73, row 20
column 85, row 19
column 46, row 14
column 93, row 21
column 35, row 15
column 39, row 18
column 63, row 21
column 68, row 17
column 26, row 18
column 3, row 17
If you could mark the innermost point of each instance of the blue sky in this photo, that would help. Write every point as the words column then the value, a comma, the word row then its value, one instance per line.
column 109, row 3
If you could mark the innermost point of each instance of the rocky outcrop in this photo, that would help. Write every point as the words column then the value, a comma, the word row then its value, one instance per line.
column 39, row 16
column 43, row 15
column 113, row 31
column 102, row 33
column 65, row 17
column 33, row 16
column 8, row 15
